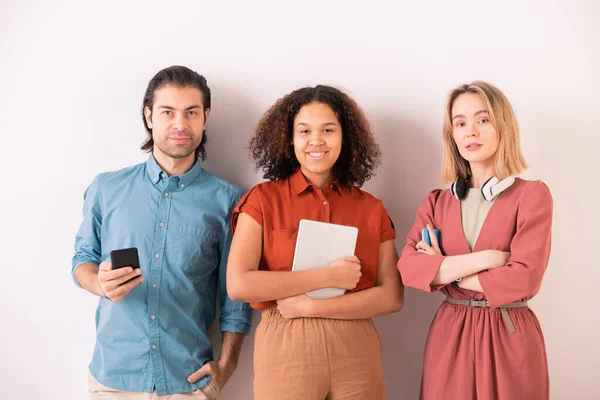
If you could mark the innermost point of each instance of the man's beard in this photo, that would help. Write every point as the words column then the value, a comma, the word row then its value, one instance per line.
column 175, row 151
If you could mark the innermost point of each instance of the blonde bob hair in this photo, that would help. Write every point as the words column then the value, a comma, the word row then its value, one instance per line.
column 509, row 159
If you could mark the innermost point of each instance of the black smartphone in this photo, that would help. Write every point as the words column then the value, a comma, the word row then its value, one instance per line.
column 125, row 258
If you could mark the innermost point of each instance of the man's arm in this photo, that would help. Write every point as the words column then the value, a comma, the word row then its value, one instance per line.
column 88, row 242
column 100, row 281
column 235, row 321
column 231, row 346
column 222, row 369
column 87, row 277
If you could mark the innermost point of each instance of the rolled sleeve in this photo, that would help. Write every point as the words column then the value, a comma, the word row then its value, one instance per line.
column 239, row 321
column 388, row 231
column 235, row 316
column 88, row 240
column 249, row 204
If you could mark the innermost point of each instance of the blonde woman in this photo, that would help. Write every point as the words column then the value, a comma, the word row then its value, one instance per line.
column 484, row 341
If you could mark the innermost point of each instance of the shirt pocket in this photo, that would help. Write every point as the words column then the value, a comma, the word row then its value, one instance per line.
column 197, row 248
column 278, row 249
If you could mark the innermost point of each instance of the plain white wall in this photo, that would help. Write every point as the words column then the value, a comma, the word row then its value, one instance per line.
column 73, row 75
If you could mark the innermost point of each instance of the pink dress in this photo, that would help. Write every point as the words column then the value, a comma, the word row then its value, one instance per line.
column 470, row 352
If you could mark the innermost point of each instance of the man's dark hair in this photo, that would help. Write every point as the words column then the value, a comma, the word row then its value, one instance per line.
column 181, row 77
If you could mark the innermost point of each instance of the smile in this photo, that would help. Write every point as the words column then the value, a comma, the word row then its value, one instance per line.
column 316, row 155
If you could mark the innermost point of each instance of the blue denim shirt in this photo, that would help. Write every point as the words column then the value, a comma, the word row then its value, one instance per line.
column 156, row 336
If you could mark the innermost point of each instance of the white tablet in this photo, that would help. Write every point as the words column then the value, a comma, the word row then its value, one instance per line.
column 318, row 245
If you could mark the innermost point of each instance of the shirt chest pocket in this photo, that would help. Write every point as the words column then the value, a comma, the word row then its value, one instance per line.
column 278, row 249
column 196, row 247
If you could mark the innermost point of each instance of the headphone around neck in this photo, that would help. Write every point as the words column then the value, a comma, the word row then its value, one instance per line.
column 490, row 189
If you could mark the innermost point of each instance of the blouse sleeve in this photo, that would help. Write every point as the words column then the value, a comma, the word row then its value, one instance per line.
column 529, row 250
column 419, row 269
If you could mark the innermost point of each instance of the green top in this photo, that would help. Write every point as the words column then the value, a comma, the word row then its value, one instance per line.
column 474, row 209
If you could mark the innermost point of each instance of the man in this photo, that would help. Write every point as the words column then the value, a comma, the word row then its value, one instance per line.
column 152, row 321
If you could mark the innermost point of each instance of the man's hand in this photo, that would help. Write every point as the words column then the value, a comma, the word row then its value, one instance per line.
column 218, row 370
column 112, row 282
column 221, row 370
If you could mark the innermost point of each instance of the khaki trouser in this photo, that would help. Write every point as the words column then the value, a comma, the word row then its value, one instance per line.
column 100, row 392
column 316, row 359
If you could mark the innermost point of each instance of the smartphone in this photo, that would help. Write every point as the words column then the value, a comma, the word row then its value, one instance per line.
column 425, row 236
column 125, row 258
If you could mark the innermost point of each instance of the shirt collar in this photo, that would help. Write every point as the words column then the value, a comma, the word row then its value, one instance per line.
column 156, row 173
column 299, row 183
column 154, row 170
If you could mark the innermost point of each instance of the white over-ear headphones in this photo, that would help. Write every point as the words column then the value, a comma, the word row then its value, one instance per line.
column 490, row 189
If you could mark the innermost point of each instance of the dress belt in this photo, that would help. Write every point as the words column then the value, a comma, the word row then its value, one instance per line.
column 485, row 303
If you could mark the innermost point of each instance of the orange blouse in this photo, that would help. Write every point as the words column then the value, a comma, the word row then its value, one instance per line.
column 280, row 205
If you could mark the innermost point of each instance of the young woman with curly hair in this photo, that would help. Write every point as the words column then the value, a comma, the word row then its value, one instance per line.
column 316, row 148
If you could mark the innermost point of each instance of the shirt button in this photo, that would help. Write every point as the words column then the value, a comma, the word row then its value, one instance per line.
column 154, row 285
column 163, row 175
column 157, row 255
column 155, row 179
column 181, row 186
column 161, row 224
column 153, row 347
column 166, row 194
column 152, row 317
column 324, row 203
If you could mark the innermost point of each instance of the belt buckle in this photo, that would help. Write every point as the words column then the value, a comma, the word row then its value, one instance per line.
column 477, row 303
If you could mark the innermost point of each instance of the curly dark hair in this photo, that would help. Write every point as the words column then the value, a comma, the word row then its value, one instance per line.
column 271, row 150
